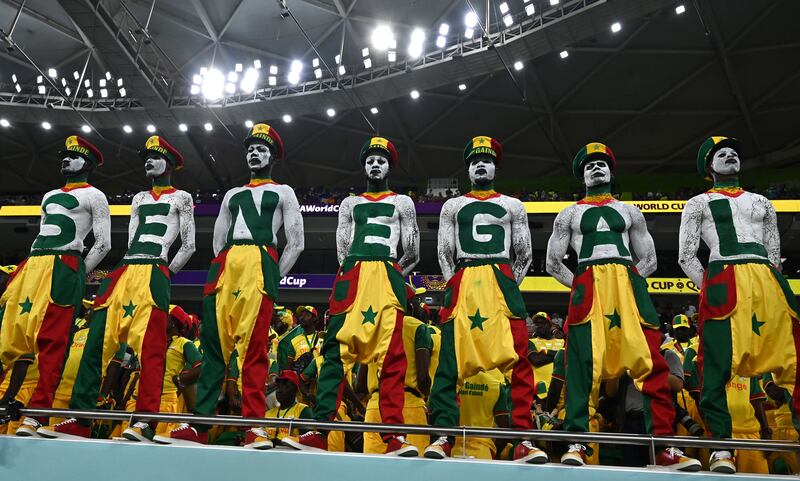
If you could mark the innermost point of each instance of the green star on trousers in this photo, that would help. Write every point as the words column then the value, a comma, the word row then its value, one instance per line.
column 477, row 320
column 369, row 316
column 25, row 306
column 129, row 309
column 236, row 293
column 616, row 320
column 757, row 325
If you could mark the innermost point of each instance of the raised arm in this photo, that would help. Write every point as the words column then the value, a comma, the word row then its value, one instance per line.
column 642, row 243
column 221, row 225
column 557, row 248
column 520, row 242
column 689, row 241
column 772, row 238
column 409, row 235
column 101, row 228
column 447, row 239
column 186, row 219
column 293, row 228
column 344, row 230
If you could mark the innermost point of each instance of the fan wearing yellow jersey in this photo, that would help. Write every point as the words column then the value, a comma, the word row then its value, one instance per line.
column 485, row 402
column 288, row 384
column 783, row 428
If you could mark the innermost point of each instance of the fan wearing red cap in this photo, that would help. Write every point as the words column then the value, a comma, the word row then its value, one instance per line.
column 369, row 296
column 609, row 296
column 484, row 252
column 747, row 310
column 43, row 295
column 132, row 302
column 242, row 285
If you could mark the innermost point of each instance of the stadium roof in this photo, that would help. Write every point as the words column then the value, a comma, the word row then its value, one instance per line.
column 653, row 90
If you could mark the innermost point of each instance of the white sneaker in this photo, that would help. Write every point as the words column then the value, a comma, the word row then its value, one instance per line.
column 28, row 427
column 257, row 438
column 722, row 462
column 575, row 455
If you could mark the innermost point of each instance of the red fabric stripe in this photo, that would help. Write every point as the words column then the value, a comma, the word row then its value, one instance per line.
column 796, row 391
column 662, row 410
column 393, row 375
column 577, row 313
column 522, row 380
column 211, row 285
column 154, row 350
column 115, row 275
column 455, row 284
column 52, row 346
column 71, row 261
column 256, row 363
column 728, row 277
column 337, row 307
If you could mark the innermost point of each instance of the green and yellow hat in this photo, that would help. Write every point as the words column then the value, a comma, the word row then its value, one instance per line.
column 381, row 145
column 266, row 133
column 709, row 148
column 159, row 145
column 483, row 144
column 592, row 151
column 541, row 314
column 84, row 148
column 680, row 321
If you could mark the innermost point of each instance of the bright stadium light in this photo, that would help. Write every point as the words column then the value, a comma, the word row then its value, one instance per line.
column 342, row 70
column 86, row 129
column 330, row 112
column 257, row 63
column 616, row 27
column 287, row 118
column 230, row 88
column 51, row 72
column 469, row 33
column 417, row 43
column 367, row 63
column 564, row 54
column 508, row 20
column 75, row 75
column 89, row 93
column 680, row 9
column 471, row 19
column 504, row 8
column 151, row 128
column 208, row 127
column 127, row 129
column 248, row 123
column 441, row 41
column 444, row 29
column 183, row 127
column 123, row 92
column 462, row 87
column 213, row 84
column 194, row 90
column 530, row 9
column 238, row 68
column 4, row 123
column 553, row 3
column 373, row 110
column 248, row 84
column 414, row 94
column 233, row 77
column 46, row 125
column 382, row 37
column 518, row 65
column 41, row 89
column 104, row 93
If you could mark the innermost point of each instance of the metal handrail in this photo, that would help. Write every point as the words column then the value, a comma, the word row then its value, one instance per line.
column 539, row 435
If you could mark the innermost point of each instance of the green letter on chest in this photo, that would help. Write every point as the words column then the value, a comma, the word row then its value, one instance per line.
column 466, row 219
column 157, row 229
column 259, row 224
column 729, row 244
column 64, row 223
column 592, row 237
column 362, row 213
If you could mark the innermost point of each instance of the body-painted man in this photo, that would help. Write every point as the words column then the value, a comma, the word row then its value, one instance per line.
column 40, row 304
column 484, row 252
column 748, row 314
column 132, row 302
column 369, row 297
column 239, row 296
column 612, row 326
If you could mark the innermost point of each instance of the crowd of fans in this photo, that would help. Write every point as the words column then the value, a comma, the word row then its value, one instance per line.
column 334, row 195
column 296, row 339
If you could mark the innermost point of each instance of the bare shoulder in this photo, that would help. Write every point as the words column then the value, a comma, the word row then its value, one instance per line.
column 513, row 203
column 697, row 202
column 759, row 199
column 138, row 198
column 405, row 202
column 632, row 210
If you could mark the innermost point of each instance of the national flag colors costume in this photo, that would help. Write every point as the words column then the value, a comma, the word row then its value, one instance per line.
column 42, row 295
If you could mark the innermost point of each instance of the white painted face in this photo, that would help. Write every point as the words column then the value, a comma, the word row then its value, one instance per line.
column 596, row 172
column 155, row 165
column 725, row 162
column 72, row 164
column 258, row 156
column 376, row 166
column 481, row 169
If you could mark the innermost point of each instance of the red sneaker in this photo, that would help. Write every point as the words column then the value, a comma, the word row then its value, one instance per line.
column 673, row 458
column 184, row 435
column 398, row 446
column 526, row 452
column 310, row 441
column 67, row 429
column 439, row 449
column 257, row 438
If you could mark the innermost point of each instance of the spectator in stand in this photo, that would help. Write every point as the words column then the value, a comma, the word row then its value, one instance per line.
column 557, row 320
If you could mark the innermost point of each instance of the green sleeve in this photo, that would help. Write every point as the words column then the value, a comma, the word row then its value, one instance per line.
column 273, row 368
column 233, row 365
column 285, row 351
column 755, row 389
column 310, row 372
column 558, row 365
column 691, row 379
column 120, row 355
column 191, row 354
column 503, row 404
column 306, row 413
column 422, row 338
column 531, row 347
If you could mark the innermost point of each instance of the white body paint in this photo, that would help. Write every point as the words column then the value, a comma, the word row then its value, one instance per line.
column 92, row 214
column 402, row 225
column 516, row 240
column 179, row 220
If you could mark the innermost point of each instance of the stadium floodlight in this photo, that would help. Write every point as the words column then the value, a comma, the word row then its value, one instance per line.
column 294, row 72
column 530, row 9
column 18, row 88
column 122, row 92
column 104, row 93
column 194, row 90
column 4, row 123
column 504, row 8
column 42, row 90
column 365, row 52
column 441, row 41
column 69, row 92
column 462, row 87
column 444, row 29
column 119, row 82
column 63, row 82
column 342, row 70
column 249, row 81
column 108, row 75
column 230, row 88
column 213, row 84
column 287, row 118
column 51, row 72
column 127, row 129
column 417, row 43
column 273, row 70
column 89, row 93
column 86, row 129
column 680, row 9
column 208, row 127
column 75, row 75
column 203, row 70
column 469, row 33
column 471, row 19
column 14, row 77
column 248, row 123
column 151, row 128
column 330, row 112
column 102, row 82
column 46, row 125
column 39, row 79
column 317, row 70
column 392, row 56
column 183, row 127
column 414, row 94
column 616, row 27
column 257, row 63
column 553, row 3
column 272, row 80
column 382, row 37
column 233, row 77
column 518, row 65
column 374, row 110
column 367, row 63
column 238, row 67
column 87, row 83
column 564, row 54
column 508, row 20
column 337, row 59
